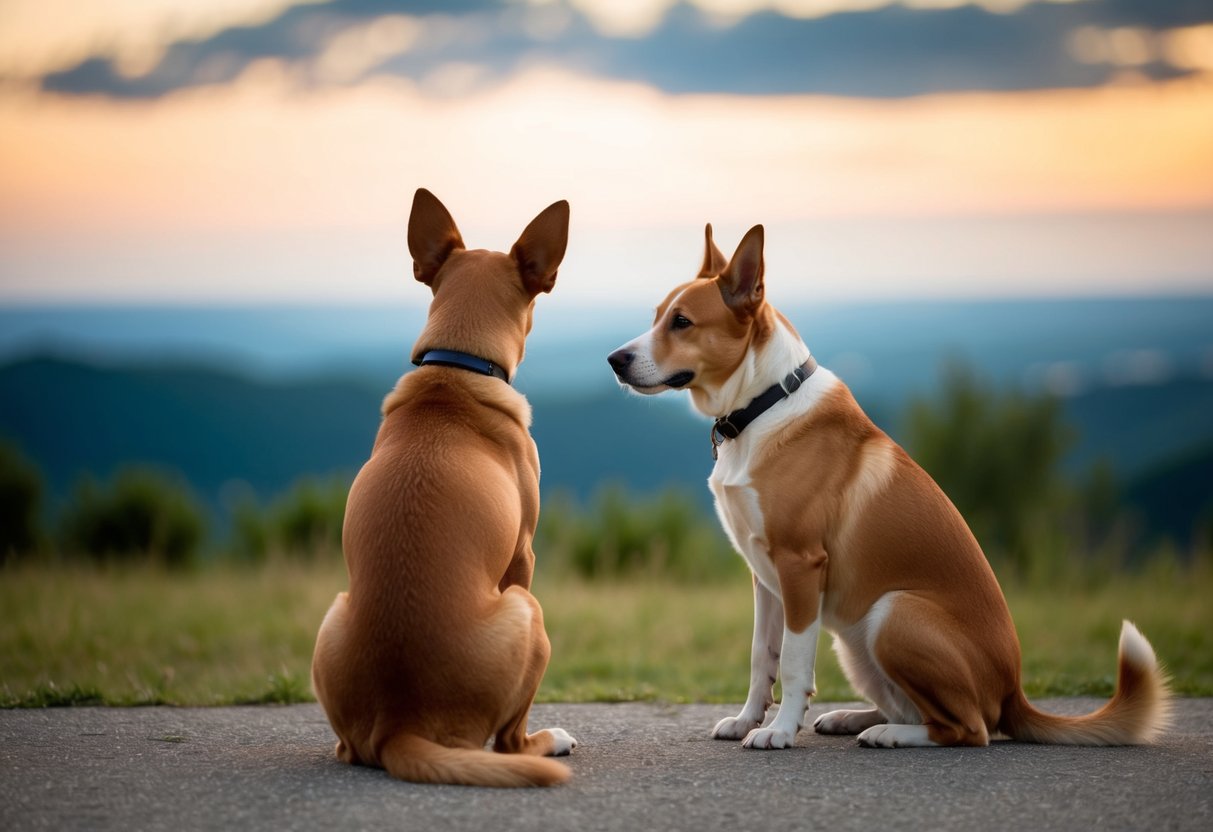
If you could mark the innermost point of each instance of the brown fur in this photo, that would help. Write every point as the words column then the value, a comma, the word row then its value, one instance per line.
column 439, row 646
column 848, row 518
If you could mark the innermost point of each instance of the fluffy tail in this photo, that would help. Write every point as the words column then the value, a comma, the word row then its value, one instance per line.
column 1138, row 712
column 412, row 758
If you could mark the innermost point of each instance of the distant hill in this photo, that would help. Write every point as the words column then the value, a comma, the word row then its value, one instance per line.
column 72, row 418
column 216, row 427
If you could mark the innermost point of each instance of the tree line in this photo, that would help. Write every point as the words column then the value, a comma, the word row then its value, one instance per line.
column 996, row 452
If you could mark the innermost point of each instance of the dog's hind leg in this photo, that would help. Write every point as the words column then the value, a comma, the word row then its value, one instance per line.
column 512, row 736
column 329, row 669
column 919, row 651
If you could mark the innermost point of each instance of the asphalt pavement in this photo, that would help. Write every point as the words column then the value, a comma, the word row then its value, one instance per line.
column 639, row 768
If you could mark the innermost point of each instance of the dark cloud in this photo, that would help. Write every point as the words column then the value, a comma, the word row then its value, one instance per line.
column 887, row 52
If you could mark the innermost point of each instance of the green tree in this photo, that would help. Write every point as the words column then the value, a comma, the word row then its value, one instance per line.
column 996, row 454
column 143, row 513
column 20, row 504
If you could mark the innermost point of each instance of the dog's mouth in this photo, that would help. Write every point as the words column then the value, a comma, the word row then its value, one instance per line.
column 674, row 382
column 679, row 380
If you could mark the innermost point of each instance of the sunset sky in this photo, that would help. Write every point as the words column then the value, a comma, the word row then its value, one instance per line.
column 267, row 150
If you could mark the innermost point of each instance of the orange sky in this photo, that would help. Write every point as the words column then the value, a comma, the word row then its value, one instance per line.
column 92, row 187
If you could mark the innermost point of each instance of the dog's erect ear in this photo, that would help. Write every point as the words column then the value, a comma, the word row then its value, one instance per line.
column 741, row 281
column 713, row 260
column 432, row 235
column 540, row 249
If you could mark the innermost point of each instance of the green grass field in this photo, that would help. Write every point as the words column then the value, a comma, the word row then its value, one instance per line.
column 79, row 635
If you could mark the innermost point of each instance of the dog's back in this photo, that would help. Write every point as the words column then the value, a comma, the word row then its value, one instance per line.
column 439, row 645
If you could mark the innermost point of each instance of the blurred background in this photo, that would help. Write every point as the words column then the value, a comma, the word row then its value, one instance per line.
column 992, row 218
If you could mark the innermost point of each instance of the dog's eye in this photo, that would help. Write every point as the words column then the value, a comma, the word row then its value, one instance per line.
column 679, row 322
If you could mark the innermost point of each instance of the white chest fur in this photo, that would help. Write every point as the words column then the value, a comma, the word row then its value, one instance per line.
column 737, row 494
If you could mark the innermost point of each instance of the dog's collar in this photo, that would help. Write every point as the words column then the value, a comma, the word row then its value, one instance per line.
column 731, row 425
column 453, row 358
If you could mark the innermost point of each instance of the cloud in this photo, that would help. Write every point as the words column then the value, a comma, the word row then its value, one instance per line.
column 873, row 50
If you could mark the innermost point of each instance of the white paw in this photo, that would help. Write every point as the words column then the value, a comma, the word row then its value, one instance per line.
column 562, row 742
column 895, row 736
column 847, row 722
column 768, row 738
column 734, row 727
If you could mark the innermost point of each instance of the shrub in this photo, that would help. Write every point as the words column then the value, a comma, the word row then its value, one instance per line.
column 20, row 504
column 667, row 534
column 306, row 521
column 142, row 513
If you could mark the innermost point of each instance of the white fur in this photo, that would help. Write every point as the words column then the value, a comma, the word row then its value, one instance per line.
column 564, row 743
column 848, row 722
column 764, row 665
column 1134, row 647
column 797, row 664
column 896, row 736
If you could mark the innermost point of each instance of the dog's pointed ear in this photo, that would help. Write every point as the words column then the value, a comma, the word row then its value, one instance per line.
column 713, row 261
column 741, row 282
column 540, row 249
column 432, row 235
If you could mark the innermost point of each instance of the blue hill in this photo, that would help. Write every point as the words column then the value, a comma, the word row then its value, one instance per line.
column 218, row 428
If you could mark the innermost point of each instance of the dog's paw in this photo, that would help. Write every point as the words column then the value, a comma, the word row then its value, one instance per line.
column 563, row 743
column 769, row 738
column 896, row 736
column 734, row 727
column 847, row 722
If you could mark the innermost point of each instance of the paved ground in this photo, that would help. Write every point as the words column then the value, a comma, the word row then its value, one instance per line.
column 640, row 768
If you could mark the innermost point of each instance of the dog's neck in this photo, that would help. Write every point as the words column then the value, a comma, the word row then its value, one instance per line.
column 763, row 365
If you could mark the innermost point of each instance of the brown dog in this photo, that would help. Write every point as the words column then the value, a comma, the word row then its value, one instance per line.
column 843, row 530
column 438, row 645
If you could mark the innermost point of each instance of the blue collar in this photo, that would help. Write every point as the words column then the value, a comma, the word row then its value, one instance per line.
column 452, row 358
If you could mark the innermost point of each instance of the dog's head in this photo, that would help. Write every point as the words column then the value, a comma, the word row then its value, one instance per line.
column 704, row 328
column 483, row 300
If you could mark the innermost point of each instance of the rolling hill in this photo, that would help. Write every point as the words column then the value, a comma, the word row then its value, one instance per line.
column 215, row 427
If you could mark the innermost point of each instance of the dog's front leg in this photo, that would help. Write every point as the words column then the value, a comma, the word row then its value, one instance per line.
column 801, row 580
column 764, row 663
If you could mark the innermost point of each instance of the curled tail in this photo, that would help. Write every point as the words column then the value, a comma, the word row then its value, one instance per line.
column 418, row 760
column 1137, row 713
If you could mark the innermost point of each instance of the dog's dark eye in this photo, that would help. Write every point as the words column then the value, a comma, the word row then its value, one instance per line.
column 679, row 322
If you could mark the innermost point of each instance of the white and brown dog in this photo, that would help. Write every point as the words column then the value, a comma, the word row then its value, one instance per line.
column 438, row 645
column 843, row 530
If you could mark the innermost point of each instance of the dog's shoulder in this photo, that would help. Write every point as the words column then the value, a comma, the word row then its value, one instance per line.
column 446, row 389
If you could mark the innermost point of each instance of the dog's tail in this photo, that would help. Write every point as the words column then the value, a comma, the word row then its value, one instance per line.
column 1138, row 712
column 410, row 757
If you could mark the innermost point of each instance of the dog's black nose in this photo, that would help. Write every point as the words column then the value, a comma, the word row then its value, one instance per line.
column 620, row 360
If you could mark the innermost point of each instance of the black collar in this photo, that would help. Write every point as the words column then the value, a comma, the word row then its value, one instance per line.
column 452, row 358
column 730, row 426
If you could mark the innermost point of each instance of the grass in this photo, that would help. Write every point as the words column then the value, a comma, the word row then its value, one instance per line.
column 141, row 636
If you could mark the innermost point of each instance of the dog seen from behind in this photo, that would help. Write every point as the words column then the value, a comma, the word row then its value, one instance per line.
column 843, row 530
column 439, row 645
